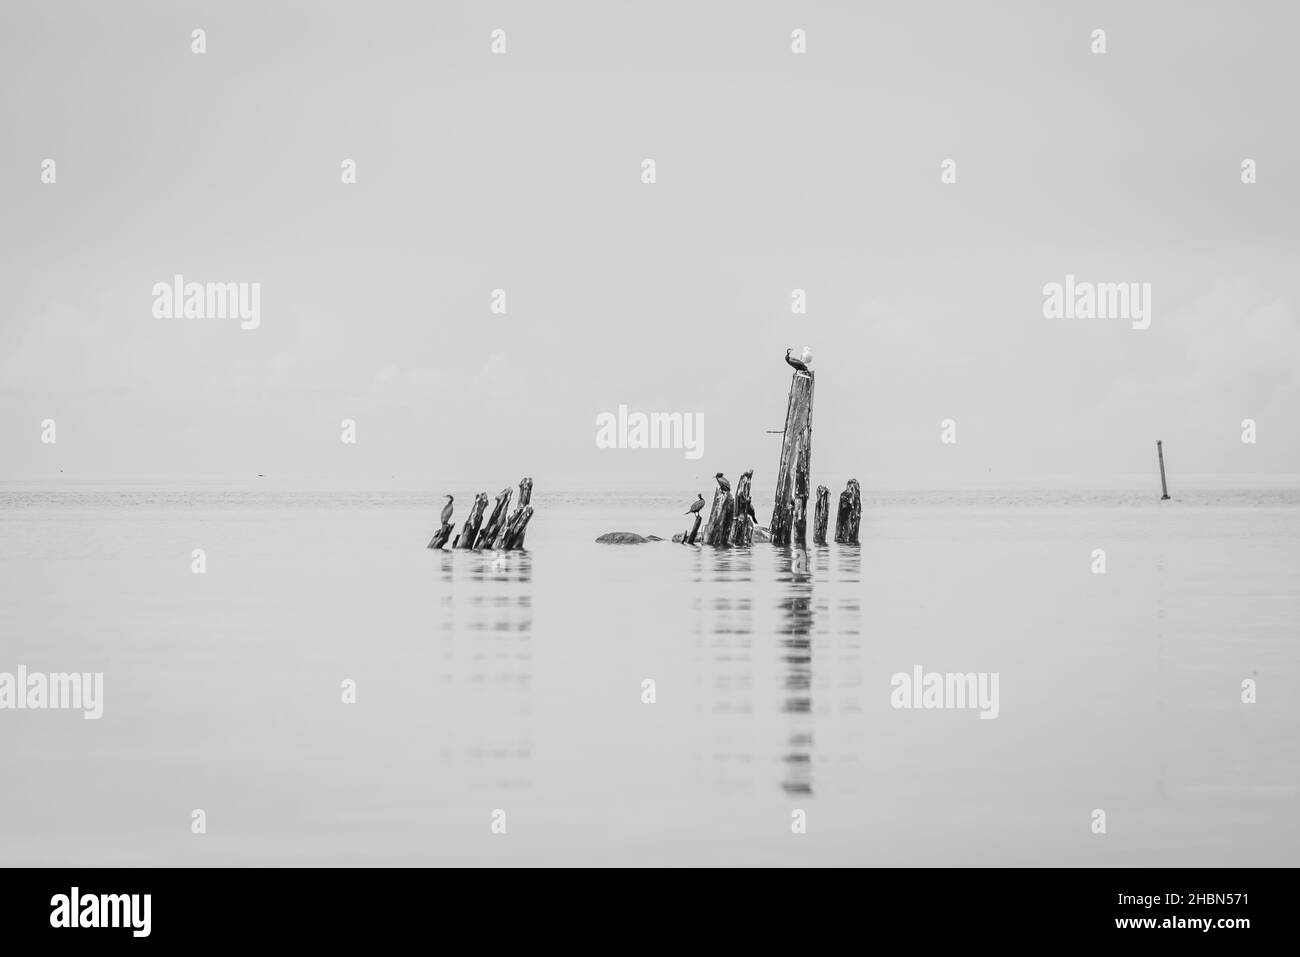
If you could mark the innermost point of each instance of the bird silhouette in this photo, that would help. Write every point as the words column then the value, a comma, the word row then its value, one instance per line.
column 446, row 509
column 696, row 505
column 796, row 364
column 722, row 482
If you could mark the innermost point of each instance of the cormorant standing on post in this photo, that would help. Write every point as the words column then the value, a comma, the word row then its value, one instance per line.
column 723, row 483
column 446, row 509
column 696, row 505
column 795, row 364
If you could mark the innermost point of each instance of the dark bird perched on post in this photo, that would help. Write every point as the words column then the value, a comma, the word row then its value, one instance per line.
column 796, row 364
column 723, row 483
column 696, row 505
column 446, row 510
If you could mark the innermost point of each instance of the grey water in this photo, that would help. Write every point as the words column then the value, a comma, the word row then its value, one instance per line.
column 516, row 682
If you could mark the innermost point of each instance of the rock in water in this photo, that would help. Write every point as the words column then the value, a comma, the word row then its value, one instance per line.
column 621, row 538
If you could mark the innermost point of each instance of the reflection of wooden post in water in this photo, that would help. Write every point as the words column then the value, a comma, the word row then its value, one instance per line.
column 1164, row 487
column 798, row 435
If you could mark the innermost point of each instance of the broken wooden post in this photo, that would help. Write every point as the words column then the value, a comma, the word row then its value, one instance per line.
column 718, row 531
column 470, row 532
column 496, row 524
column 849, row 516
column 688, row 538
column 440, row 536
column 798, row 434
column 514, row 534
column 1164, row 487
column 822, row 515
column 742, row 528
column 525, row 498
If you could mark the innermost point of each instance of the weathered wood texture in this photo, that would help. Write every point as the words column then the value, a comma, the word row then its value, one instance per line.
column 799, row 534
column 821, row 515
column 1164, row 486
column 742, row 526
column 525, row 499
column 849, row 516
column 469, row 533
column 688, row 537
column 492, row 530
column 514, row 533
column 718, row 530
column 798, row 435
column 440, row 536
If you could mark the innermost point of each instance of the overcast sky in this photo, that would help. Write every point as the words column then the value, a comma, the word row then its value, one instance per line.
column 523, row 172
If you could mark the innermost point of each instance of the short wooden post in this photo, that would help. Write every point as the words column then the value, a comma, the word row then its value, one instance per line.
column 822, row 515
column 742, row 527
column 513, row 537
column 688, row 538
column 487, row 538
column 718, row 531
column 525, row 499
column 470, row 532
column 849, row 516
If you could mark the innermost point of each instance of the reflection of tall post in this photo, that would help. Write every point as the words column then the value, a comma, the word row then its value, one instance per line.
column 798, row 435
column 1164, row 487
column 796, row 643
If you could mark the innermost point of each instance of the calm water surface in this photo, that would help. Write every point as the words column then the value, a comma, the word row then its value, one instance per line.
column 514, row 682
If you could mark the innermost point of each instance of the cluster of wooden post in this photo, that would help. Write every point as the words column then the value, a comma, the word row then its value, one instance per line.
column 731, row 520
column 500, row 532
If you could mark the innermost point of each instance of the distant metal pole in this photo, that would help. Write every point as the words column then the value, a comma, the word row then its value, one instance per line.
column 1164, row 486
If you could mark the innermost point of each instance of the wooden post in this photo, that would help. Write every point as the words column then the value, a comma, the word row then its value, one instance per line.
column 800, row 533
column 495, row 526
column 525, row 499
column 1164, row 487
column 718, row 531
column 470, row 531
column 742, row 529
column 440, row 536
column 689, row 537
column 849, row 517
column 514, row 533
column 798, row 434
column 822, row 515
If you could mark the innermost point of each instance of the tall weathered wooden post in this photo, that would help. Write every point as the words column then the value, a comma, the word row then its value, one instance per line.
column 1164, row 487
column 798, row 436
